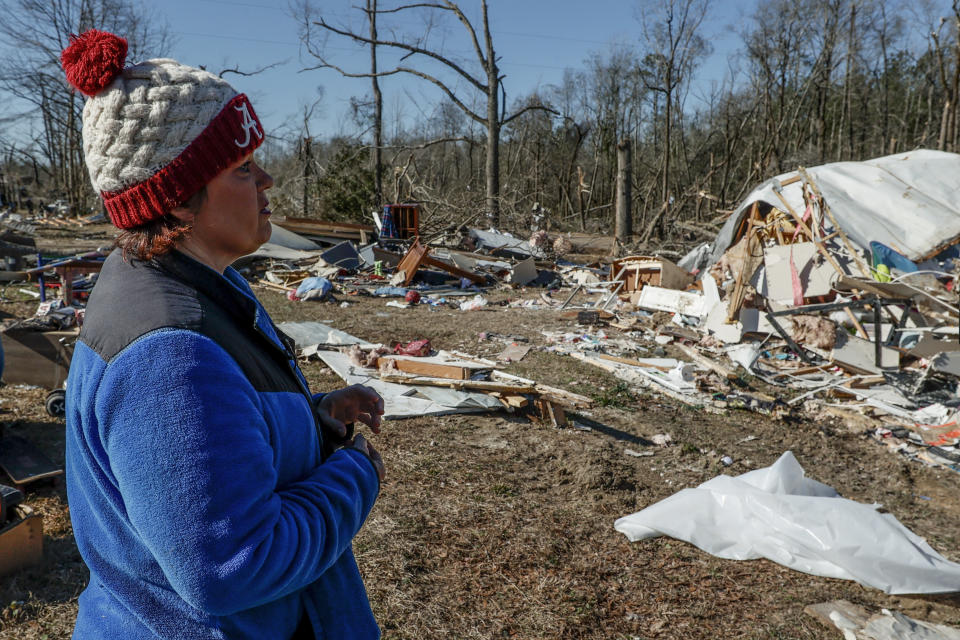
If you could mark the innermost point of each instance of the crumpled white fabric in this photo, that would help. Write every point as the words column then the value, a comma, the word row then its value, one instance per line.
column 779, row 514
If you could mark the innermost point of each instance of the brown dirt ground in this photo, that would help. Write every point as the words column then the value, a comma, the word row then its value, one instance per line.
column 496, row 526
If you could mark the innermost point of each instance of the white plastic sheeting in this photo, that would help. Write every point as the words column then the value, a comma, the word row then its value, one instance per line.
column 409, row 401
column 909, row 201
column 779, row 514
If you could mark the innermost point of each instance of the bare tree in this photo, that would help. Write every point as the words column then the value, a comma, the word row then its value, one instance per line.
column 676, row 47
column 488, row 83
column 36, row 31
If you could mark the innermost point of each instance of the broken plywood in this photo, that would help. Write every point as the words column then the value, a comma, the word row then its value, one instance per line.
column 660, row 299
column 815, row 276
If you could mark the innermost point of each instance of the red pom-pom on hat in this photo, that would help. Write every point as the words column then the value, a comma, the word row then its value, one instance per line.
column 93, row 60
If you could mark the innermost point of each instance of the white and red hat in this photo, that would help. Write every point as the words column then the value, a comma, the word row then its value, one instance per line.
column 154, row 133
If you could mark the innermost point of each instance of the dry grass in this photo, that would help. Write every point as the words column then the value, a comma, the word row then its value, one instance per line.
column 492, row 526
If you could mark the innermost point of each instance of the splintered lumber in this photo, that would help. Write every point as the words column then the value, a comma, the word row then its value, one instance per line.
column 551, row 413
column 751, row 261
column 720, row 369
column 417, row 255
column 631, row 362
column 803, row 225
column 510, row 400
column 460, row 385
column 307, row 226
column 639, row 376
column 558, row 396
column 864, row 269
column 429, row 369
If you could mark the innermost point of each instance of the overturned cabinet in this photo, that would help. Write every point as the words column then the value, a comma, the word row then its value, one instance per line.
column 638, row 271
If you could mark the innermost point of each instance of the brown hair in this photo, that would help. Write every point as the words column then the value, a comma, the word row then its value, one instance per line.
column 161, row 235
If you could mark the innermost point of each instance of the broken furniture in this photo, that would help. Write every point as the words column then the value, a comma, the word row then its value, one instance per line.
column 401, row 221
column 637, row 271
column 417, row 255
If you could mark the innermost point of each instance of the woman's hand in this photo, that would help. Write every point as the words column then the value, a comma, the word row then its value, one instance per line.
column 360, row 444
column 338, row 410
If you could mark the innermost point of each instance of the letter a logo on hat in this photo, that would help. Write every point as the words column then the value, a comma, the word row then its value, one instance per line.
column 248, row 124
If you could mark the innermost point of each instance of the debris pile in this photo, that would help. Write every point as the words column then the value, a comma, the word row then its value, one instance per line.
column 808, row 302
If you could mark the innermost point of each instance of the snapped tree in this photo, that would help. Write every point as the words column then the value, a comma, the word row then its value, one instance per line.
column 487, row 83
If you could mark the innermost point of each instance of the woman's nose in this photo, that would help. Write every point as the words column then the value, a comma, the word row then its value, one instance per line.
column 264, row 179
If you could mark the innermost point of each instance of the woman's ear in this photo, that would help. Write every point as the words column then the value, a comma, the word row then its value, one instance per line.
column 183, row 214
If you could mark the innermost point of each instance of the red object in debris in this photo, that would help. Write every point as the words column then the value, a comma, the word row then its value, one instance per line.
column 414, row 348
column 292, row 295
column 413, row 297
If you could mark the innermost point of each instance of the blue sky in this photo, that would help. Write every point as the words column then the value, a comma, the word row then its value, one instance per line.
column 536, row 39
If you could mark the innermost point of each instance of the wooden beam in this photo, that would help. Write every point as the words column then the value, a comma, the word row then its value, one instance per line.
column 826, row 209
column 722, row 370
column 474, row 385
column 803, row 225
column 420, row 368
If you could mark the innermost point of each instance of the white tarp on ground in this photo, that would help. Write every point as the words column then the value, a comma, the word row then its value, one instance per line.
column 307, row 334
column 908, row 201
column 779, row 514
column 402, row 401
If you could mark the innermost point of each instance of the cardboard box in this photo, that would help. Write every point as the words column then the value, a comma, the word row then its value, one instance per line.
column 21, row 541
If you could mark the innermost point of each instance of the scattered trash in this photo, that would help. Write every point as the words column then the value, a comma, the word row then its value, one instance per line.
column 476, row 302
column 855, row 621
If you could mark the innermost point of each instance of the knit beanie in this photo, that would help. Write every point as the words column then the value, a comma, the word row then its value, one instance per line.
column 156, row 132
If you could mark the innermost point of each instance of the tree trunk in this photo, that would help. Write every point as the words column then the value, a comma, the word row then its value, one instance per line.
column 624, row 171
column 493, row 126
column 377, row 151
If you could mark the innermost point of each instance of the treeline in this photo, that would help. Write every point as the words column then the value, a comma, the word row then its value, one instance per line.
column 813, row 81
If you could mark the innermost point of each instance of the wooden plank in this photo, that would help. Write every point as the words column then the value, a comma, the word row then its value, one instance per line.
column 803, row 225
column 631, row 362
column 551, row 413
column 463, row 385
column 515, row 400
column 411, row 261
column 863, row 333
column 420, row 368
column 720, row 369
column 826, row 209
column 752, row 260
column 323, row 226
column 453, row 270
column 560, row 396
column 864, row 382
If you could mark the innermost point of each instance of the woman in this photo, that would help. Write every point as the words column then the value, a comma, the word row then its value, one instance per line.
column 208, row 494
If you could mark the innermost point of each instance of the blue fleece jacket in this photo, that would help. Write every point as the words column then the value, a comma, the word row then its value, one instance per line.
column 198, row 494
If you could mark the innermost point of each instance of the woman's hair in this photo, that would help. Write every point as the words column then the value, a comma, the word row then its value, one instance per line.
column 161, row 235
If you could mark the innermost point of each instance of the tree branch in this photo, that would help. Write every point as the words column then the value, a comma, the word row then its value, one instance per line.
column 406, row 47
column 380, row 74
column 236, row 69
column 531, row 107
